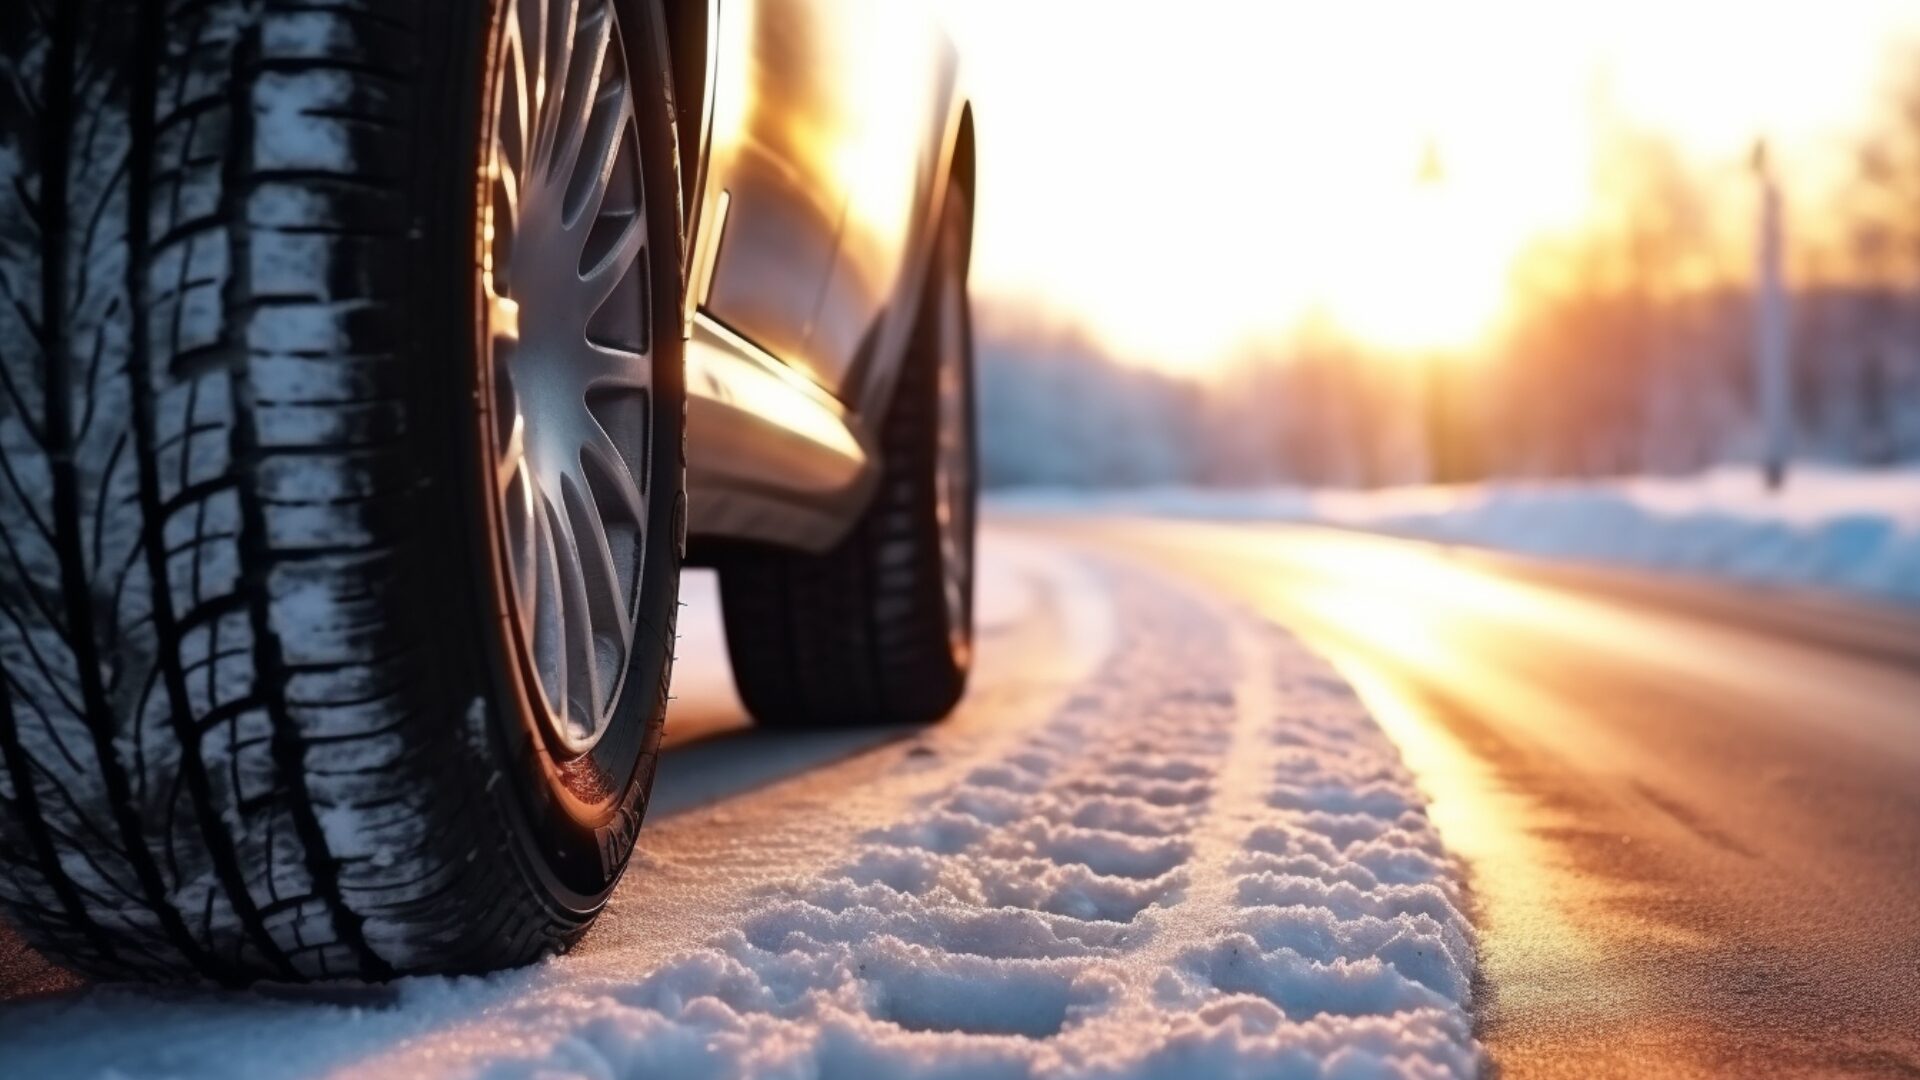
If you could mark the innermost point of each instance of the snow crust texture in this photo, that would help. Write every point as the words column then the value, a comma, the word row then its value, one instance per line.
column 1206, row 861
column 1161, row 884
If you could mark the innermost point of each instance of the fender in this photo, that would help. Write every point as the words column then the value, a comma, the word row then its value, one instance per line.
column 877, row 371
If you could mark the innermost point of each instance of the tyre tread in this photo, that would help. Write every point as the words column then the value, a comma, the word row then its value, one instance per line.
column 222, row 757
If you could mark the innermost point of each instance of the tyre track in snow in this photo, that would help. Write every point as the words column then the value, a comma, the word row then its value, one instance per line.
column 1160, row 839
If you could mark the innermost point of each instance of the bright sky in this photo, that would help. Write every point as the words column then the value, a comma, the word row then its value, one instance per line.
column 1185, row 177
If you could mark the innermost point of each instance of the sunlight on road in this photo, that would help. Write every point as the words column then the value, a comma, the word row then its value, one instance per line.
column 1377, row 610
column 1484, row 821
column 1661, row 791
column 1551, row 966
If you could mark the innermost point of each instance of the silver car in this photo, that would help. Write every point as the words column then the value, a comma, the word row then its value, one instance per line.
column 368, row 371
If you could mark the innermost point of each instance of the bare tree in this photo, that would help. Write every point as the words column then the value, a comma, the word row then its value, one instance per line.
column 1881, row 211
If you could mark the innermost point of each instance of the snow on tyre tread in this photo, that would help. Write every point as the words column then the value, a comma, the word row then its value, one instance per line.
column 222, row 750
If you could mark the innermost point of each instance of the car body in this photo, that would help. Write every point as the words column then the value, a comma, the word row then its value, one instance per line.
column 826, row 136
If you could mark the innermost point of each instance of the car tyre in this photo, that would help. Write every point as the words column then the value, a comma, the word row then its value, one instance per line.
column 879, row 629
column 272, row 708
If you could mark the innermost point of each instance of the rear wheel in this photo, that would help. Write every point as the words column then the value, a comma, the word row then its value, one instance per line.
column 341, row 478
column 880, row 629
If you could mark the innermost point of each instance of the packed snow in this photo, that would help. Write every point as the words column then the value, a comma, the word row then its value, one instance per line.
column 1829, row 528
column 1160, row 840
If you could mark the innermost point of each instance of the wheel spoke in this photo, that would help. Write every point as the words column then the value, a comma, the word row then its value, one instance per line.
column 517, row 107
column 605, row 585
column 556, row 60
column 549, row 633
column 600, row 142
column 513, row 456
column 613, row 478
column 581, row 100
column 536, row 69
column 604, row 367
column 605, row 275
column 503, row 318
column 508, row 182
column 581, row 681
column 523, row 542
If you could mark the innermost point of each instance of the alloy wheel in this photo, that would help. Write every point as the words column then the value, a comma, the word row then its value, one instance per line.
column 569, row 333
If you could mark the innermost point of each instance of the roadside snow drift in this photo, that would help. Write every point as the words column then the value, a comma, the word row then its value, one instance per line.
column 1830, row 528
column 1206, row 860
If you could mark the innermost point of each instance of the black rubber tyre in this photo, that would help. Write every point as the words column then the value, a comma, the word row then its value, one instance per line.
column 261, row 715
column 871, row 632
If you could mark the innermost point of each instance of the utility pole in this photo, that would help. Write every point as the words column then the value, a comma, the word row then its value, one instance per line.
column 1442, row 459
column 1771, row 376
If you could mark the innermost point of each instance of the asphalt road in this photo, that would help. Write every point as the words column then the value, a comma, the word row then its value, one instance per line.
column 1691, row 812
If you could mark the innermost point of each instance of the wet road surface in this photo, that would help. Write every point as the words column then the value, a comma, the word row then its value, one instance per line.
column 1691, row 812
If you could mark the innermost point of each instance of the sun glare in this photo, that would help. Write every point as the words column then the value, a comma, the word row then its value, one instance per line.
column 1189, row 183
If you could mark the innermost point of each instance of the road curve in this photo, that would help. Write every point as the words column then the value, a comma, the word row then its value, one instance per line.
column 1691, row 812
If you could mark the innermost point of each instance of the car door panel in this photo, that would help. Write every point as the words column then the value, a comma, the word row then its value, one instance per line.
column 828, row 124
column 772, row 159
column 895, row 78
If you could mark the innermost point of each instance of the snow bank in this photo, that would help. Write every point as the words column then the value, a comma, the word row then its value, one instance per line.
column 1205, row 860
column 1852, row 531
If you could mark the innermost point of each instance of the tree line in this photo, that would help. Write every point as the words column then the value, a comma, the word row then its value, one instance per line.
column 1627, row 349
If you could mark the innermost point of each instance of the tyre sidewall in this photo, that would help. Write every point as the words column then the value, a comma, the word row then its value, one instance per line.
column 571, row 847
column 954, row 258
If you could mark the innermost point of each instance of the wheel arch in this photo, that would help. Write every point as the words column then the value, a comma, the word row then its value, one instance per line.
column 962, row 170
column 878, row 374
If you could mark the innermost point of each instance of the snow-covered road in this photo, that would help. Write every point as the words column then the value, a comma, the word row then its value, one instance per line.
column 1160, row 838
